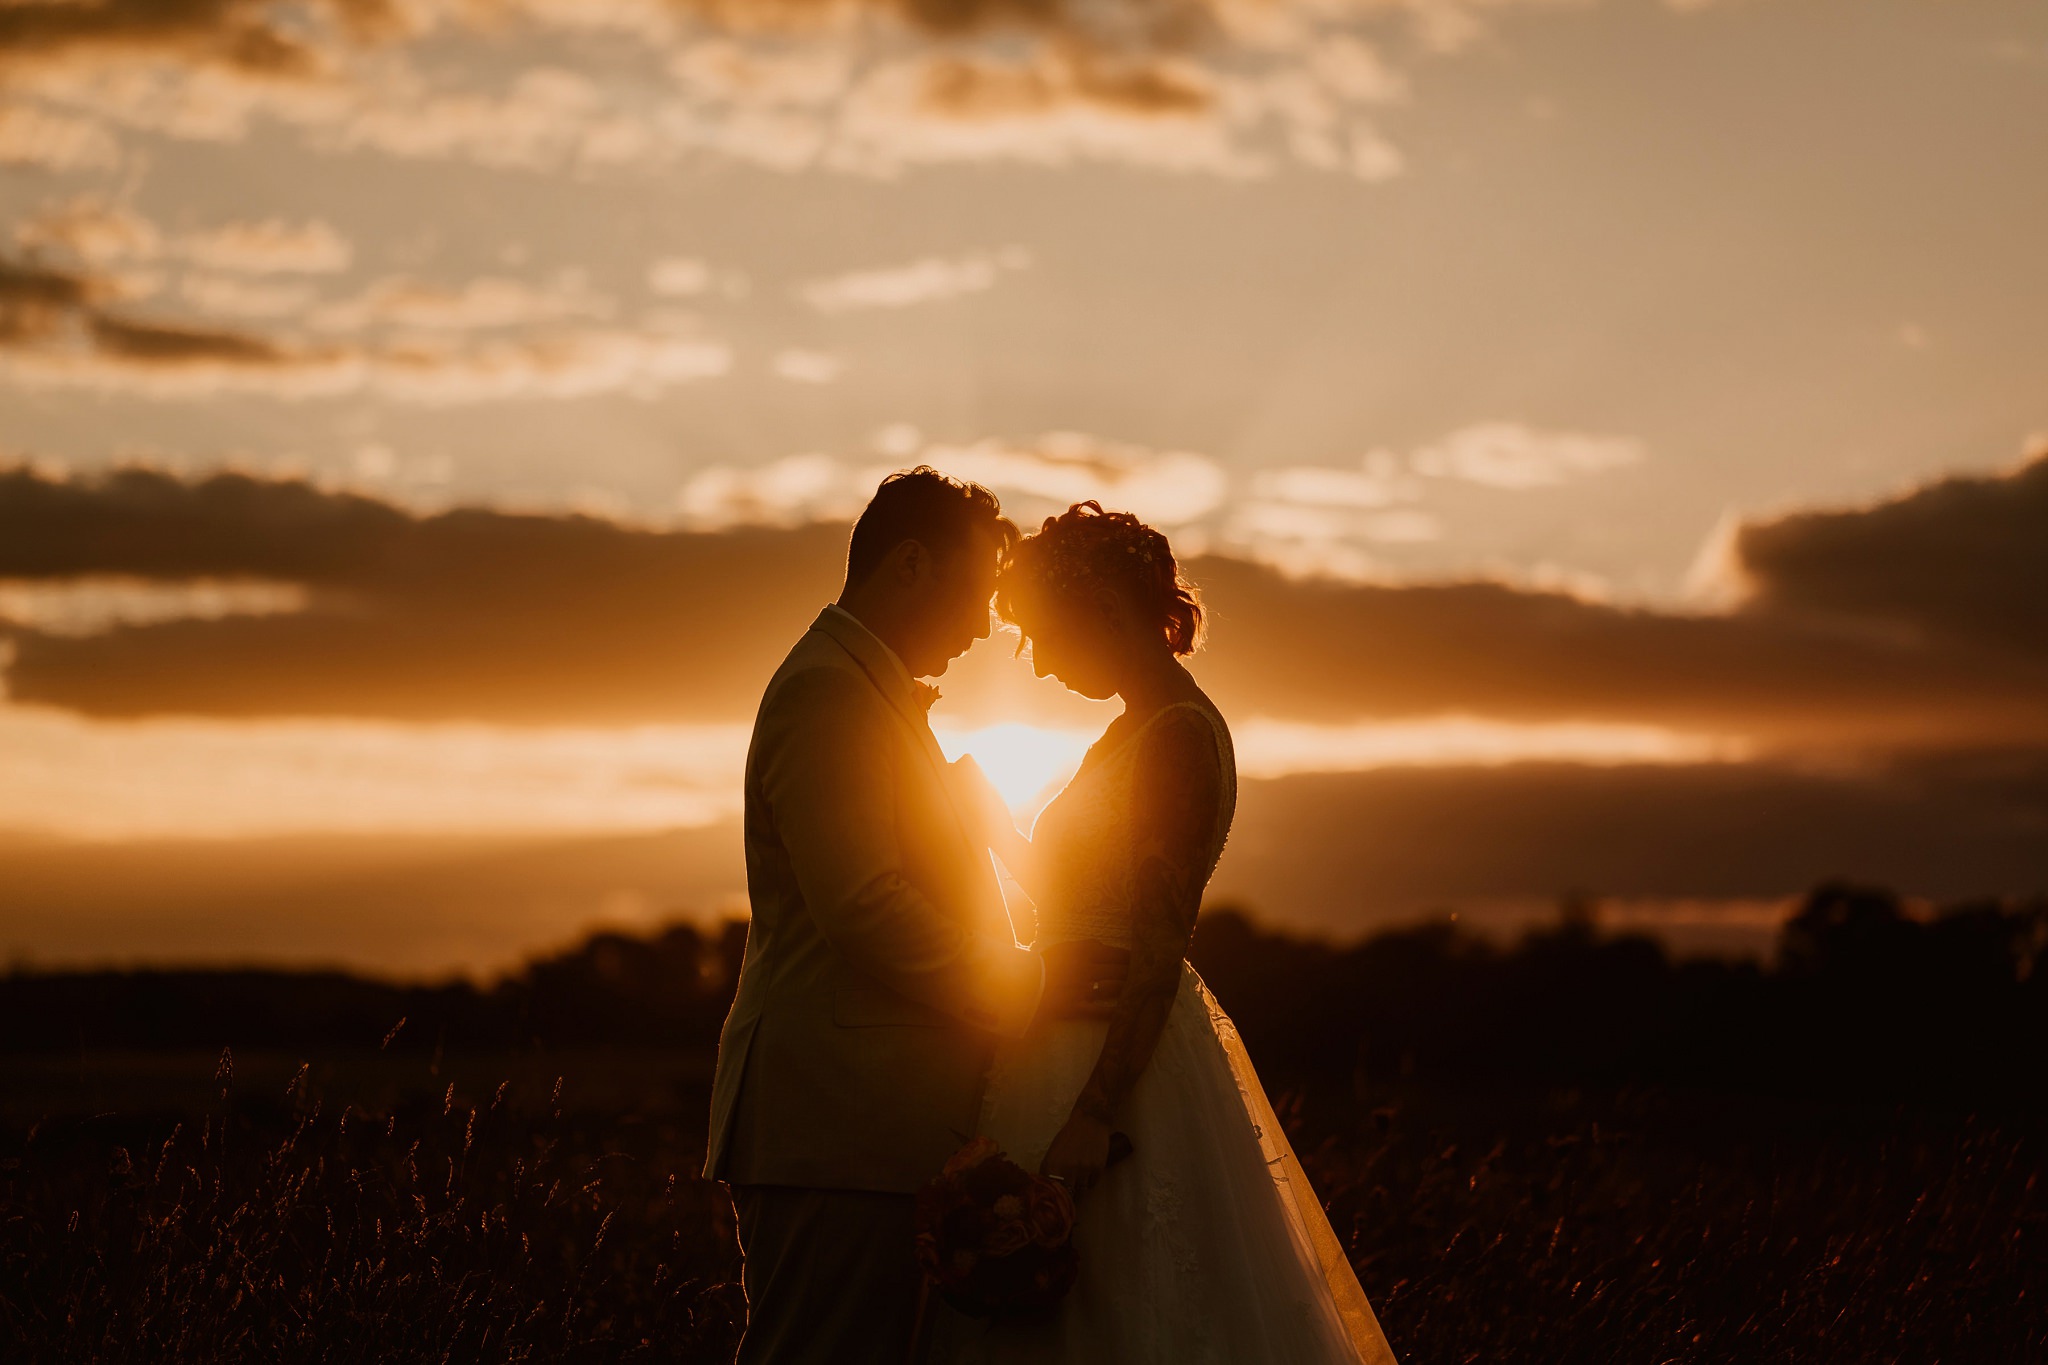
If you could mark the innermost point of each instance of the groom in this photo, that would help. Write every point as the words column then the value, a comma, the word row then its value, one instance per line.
column 880, row 966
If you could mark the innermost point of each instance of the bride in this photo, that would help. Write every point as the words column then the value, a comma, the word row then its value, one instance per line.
column 1205, row 1246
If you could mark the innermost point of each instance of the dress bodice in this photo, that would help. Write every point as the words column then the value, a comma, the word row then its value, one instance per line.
column 1085, row 841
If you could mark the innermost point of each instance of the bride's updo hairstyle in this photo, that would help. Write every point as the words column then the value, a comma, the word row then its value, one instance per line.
column 1084, row 548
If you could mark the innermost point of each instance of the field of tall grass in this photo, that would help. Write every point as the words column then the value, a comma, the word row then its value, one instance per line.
column 1571, row 1151
column 272, row 1223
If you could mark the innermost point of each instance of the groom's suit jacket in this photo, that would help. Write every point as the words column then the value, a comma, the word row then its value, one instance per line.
column 880, row 965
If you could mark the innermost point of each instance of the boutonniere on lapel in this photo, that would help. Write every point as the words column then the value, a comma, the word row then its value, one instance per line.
column 925, row 694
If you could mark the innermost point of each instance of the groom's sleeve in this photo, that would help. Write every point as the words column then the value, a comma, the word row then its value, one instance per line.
column 828, row 784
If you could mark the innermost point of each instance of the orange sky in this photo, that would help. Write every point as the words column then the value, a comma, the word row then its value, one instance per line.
column 1621, row 412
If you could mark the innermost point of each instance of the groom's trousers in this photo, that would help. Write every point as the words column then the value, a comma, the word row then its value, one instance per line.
column 831, row 1276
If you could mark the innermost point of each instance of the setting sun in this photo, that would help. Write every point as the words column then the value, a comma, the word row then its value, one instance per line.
column 1022, row 760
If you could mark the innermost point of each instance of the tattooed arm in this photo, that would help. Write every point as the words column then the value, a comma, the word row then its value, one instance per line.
column 1177, row 796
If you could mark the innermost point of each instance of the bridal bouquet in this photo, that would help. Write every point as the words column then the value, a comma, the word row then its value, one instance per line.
column 994, row 1239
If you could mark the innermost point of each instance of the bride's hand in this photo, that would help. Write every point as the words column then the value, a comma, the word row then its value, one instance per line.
column 1078, row 1154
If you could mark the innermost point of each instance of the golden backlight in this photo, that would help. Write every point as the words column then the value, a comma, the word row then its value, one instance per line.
column 175, row 778
column 1024, row 761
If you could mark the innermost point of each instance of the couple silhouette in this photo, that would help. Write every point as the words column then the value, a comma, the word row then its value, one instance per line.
column 885, row 1011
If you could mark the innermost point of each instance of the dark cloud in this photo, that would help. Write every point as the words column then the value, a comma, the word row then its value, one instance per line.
column 52, row 325
column 36, row 301
column 485, row 614
column 967, row 16
column 157, row 344
column 469, row 614
column 152, row 524
column 1341, row 851
column 267, row 38
column 242, row 34
column 1338, row 652
column 1155, row 23
column 55, row 332
column 1964, row 560
column 276, row 40
column 964, row 87
column 1041, row 81
column 1815, row 655
column 254, row 37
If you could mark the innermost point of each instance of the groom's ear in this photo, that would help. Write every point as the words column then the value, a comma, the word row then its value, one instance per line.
column 909, row 561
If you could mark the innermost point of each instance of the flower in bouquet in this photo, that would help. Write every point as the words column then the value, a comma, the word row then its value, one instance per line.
column 994, row 1239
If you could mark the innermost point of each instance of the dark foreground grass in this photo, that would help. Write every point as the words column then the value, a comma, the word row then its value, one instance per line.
column 273, row 1224
column 1651, row 1229
column 492, row 1227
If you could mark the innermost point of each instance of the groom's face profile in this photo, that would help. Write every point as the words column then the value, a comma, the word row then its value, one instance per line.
column 951, row 591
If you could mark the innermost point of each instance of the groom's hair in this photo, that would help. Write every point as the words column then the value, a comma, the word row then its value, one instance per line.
column 939, row 512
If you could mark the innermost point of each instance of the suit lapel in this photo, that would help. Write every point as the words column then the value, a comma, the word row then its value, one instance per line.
column 890, row 679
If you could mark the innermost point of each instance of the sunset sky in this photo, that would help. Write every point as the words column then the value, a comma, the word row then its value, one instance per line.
column 1612, row 436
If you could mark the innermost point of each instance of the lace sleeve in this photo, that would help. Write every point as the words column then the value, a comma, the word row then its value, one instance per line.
column 1176, row 795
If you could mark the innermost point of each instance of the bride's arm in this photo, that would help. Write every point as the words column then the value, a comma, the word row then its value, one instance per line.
column 1177, row 801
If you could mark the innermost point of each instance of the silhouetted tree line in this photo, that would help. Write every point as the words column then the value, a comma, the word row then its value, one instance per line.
column 1864, row 1001
column 668, row 990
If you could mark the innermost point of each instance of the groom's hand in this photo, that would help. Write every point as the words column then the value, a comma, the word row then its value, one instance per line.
column 990, row 812
column 1083, row 979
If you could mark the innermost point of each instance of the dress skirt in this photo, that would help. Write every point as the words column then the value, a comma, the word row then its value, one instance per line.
column 1206, row 1245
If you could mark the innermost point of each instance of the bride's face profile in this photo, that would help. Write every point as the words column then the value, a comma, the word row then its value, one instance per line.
column 1101, row 602
column 1079, row 643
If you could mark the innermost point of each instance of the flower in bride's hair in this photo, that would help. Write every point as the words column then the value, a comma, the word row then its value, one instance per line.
column 1087, row 548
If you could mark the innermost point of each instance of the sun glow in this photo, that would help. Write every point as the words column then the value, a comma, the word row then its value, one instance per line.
column 175, row 778
column 1275, row 748
column 180, row 779
column 1024, row 761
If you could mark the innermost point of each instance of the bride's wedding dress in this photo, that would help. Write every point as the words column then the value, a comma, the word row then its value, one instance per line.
column 1206, row 1246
